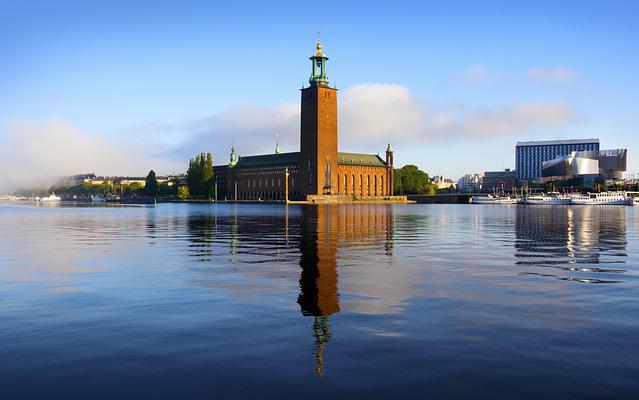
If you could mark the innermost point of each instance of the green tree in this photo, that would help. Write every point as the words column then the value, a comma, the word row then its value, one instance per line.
column 199, row 176
column 411, row 180
column 151, row 185
column 183, row 193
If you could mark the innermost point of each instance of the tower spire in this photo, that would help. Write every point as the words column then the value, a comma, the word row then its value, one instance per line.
column 277, row 144
column 318, row 73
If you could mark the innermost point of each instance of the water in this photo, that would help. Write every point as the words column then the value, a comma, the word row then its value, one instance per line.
column 371, row 301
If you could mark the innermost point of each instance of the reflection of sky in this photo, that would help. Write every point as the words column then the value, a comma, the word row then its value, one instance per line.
column 384, row 258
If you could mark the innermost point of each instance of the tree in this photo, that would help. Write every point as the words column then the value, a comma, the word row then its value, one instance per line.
column 151, row 185
column 411, row 180
column 200, row 176
column 183, row 193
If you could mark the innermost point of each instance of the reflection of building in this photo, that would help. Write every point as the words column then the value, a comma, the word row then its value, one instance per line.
column 324, row 229
column 499, row 181
column 318, row 168
column 566, row 241
column 529, row 156
column 310, row 237
column 588, row 165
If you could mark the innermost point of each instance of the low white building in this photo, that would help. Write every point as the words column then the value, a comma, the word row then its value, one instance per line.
column 470, row 183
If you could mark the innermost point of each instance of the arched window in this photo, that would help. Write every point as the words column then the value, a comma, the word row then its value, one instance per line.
column 375, row 180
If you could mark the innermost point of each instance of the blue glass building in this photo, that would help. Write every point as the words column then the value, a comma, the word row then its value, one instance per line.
column 530, row 156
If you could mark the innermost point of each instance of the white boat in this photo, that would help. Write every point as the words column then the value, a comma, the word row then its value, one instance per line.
column 632, row 199
column 97, row 199
column 51, row 198
column 603, row 198
column 490, row 199
column 551, row 199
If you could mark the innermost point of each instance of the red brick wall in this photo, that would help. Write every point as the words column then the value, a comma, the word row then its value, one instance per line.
column 368, row 180
column 318, row 138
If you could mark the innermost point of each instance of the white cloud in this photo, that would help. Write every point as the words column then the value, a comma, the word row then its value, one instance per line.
column 560, row 75
column 379, row 111
column 479, row 73
column 369, row 114
column 35, row 153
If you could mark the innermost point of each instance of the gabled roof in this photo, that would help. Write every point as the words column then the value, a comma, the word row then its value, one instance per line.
column 370, row 160
column 268, row 159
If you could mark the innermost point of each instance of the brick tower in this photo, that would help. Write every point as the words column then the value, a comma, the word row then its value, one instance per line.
column 318, row 131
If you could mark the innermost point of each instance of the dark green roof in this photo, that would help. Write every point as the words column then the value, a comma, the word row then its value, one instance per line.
column 268, row 159
column 360, row 159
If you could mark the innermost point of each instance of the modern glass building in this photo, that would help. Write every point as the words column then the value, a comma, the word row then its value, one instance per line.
column 603, row 165
column 530, row 156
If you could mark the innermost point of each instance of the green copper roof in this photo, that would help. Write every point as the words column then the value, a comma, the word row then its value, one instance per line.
column 268, row 159
column 360, row 159
column 370, row 160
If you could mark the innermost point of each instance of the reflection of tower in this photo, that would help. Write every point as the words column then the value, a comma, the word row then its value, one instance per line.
column 319, row 295
column 233, row 234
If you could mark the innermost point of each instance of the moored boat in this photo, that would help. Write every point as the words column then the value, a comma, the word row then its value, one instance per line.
column 490, row 199
column 97, row 199
column 51, row 198
column 551, row 199
column 603, row 198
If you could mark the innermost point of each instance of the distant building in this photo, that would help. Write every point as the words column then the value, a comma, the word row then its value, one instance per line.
column 444, row 183
column 499, row 181
column 75, row 179
column 588, row 167
column 470, row 183
column 529, row 156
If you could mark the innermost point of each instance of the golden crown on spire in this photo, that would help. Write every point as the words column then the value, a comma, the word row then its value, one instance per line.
column 319, row 49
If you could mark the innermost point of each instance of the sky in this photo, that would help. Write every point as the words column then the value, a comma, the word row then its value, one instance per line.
column 119, row 87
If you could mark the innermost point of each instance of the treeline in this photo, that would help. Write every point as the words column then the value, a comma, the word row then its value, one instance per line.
column 200, row 178
column 411, row 180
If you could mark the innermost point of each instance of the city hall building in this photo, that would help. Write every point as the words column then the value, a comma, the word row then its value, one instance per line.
column 318, row 168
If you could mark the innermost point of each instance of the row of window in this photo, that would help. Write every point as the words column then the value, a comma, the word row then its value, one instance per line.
column 359, row 184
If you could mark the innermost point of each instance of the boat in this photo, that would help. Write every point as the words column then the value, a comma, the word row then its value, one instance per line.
column 603, row 198
column 51, row 198
column 632, row 199
column 490, row 199
column 97, row 199
column 551, row 199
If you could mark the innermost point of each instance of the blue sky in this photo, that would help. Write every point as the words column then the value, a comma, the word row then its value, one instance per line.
column 122, row 87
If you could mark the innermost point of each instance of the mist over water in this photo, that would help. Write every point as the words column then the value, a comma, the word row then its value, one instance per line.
column 366, row 301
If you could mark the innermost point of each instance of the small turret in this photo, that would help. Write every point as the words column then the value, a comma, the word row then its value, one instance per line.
column 277, row 145
column 318, row 72
column 232, row 156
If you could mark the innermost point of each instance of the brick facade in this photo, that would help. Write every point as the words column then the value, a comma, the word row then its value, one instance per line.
column 319, row 168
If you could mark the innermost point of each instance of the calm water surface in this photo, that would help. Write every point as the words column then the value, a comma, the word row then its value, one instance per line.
column 268, row 301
